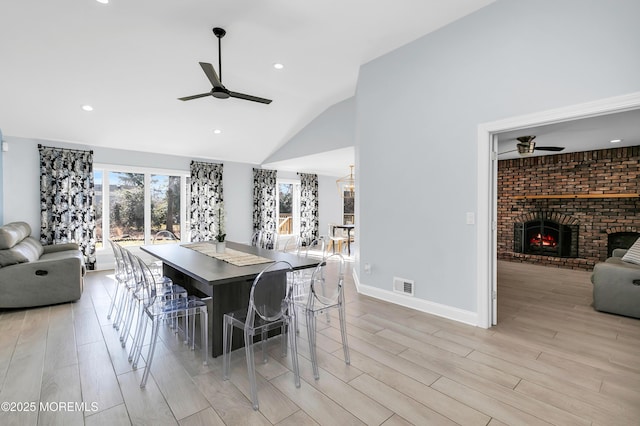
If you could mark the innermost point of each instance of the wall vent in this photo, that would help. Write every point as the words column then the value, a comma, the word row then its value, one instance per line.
column 404, row 286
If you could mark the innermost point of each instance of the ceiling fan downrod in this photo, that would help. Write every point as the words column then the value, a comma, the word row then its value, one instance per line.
column 219, row 32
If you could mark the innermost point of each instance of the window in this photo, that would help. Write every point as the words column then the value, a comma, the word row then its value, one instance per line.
column 348, row 208
column 139, row 202
column 126, row 207
column 288, row 207
column 165, row 204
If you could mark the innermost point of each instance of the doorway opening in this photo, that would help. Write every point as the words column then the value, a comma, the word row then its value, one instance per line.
column 486, row 269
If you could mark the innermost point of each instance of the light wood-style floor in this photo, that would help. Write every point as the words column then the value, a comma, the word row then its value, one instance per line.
column 551, row 360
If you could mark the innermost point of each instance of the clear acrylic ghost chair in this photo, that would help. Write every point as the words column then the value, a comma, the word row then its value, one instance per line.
column 269, row 309
column 120, row 276
column 129, row 285
column 131, row 299
column 165, row 290
column 164, row 236
column 326, row 291
column 317, row 248
column 157, row 309
column 302, row 277
column 293, row 245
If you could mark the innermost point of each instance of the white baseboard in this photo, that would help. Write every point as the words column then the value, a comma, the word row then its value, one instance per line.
column 449, row 312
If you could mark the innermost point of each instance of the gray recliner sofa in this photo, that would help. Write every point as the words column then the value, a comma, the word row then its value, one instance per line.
column 35, row 275
column 616, row 286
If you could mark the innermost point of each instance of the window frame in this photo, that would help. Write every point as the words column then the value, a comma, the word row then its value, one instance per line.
column 106, row 168
column 295, row 204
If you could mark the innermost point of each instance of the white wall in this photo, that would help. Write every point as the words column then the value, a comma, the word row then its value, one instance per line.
column 417, row 132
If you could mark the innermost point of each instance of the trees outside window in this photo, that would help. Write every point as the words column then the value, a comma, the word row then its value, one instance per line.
column 139, row 205
column 126, row 207
column 165, row 204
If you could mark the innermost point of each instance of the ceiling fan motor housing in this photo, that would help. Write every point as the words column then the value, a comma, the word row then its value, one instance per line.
column 220, row 93
column 526, row 148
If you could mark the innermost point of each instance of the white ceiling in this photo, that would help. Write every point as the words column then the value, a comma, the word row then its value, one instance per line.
column 578, row 135
column 131, row 60
column 329, row 163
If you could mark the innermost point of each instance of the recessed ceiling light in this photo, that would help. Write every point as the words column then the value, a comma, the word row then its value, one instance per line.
column 103, row 1
column 217, row 131
column 615, row 140
column 87, row 107
column 278, row 66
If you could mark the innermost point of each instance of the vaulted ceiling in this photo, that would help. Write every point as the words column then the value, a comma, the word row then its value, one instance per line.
column 131, row 60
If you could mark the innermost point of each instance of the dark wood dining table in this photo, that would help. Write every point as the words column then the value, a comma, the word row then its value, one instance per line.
column 229, row 286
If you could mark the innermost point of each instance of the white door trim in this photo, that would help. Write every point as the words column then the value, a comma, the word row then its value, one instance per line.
column 486, row 275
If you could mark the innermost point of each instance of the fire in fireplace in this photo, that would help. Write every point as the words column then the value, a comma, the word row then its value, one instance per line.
column 546, row 238
column 543, row 240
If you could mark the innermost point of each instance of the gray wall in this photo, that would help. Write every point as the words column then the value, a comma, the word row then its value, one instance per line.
column 418, row 110
column 329, row 201
column 333, row 129
column 22, row 186
column 1, row 182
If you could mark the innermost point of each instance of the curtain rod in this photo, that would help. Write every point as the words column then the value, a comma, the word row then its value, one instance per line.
column 40, row 146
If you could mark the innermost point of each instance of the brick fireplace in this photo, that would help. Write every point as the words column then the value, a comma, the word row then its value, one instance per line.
column 568, row 210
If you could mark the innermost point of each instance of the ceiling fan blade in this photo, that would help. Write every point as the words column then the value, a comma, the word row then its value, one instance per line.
column 249, row 97
column 201, row 95
column 549, row 148
column 211, row 74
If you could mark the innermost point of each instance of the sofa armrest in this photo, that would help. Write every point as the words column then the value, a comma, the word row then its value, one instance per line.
column 619, row 252
column 54, row 248
column 615, row 271
column 42, row 282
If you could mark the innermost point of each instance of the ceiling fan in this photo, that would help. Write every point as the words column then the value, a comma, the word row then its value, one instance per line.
column 218, row 90
column 526, row 146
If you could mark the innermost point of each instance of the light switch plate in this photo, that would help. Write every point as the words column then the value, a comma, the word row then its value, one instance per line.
column 471, row 218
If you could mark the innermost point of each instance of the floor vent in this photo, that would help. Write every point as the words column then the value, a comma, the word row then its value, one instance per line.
column 400, row 285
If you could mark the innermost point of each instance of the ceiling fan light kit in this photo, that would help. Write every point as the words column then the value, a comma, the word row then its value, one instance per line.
column 218, row 90
column 526, row 146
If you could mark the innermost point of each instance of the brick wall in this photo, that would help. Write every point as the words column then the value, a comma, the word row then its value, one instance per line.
column 608, row 171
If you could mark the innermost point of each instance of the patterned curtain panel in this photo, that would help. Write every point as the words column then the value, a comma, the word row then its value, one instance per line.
column 264, row 200
column 308, row 207
column 66, row 200
column 206, row 192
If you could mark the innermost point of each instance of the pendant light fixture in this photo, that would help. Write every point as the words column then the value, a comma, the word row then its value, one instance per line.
column 347, row 185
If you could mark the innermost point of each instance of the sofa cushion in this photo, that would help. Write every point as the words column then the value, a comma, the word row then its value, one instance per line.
column 633, row 254
column 12, row 233
column 29, row 248
column 11, row 257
